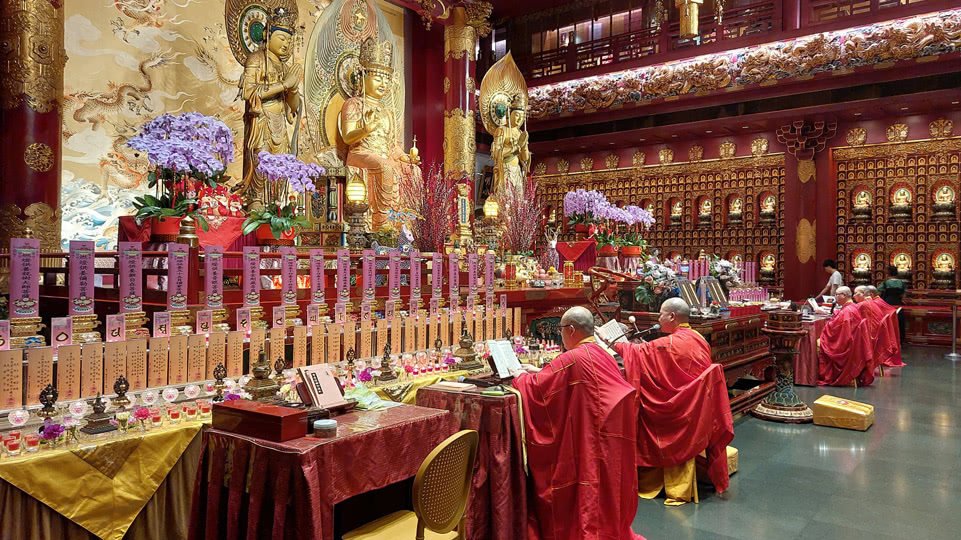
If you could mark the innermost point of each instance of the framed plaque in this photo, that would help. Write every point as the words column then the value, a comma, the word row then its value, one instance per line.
column 137, row 364
column 205, row 321
column 157, row 362
column 114, row 364
column 503, row 301
column 278, row 339
column 196, row 357
column 91, row 369
column 300, row 346
column 279, row 320
column 365, row 311
column 61, row 332
column 216, row 352
column 334, row 332
column 313, row 317
column 4, row 335
column 489, row 302
column 257, row 338
column 318, row 345
column 68, row 373
column 177, row 360
column 243, row 320
column 235, row 354
column 11, row 378
column 389, row 307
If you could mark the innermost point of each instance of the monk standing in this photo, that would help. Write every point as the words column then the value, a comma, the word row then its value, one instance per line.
column 580, row 420
column 844, row 349
column 683, row 407
column 888, row 352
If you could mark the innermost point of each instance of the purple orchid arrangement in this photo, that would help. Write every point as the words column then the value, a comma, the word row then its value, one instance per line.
column 284, row 174
column 582, row 207
column 50, row 430
column 190, row 143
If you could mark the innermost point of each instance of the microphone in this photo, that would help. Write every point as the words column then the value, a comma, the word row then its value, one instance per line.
column 640, row 333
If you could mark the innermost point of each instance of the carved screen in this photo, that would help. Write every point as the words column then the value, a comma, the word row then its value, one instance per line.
column 752, row 232
column 897, row 205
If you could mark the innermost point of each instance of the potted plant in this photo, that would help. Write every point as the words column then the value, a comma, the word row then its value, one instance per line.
column 633, row 243
column 279, row 217
column 581, row 207
column 607, row 242
column 658, row 283
column 186, row 152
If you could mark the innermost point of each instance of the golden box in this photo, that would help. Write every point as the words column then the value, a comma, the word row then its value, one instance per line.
column 843, row 413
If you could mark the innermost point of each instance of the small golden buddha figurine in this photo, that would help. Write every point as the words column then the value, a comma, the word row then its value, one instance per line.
column 369, row 129
column 944, row 263
column 768, row 209
column 704, row 212
column 734, row 211
column 943, row 271
column 903, row 263
column 677, row 211
column 767, row 272
column 901, row 204
column 944, row 203
column 862, row 262
column 861, row 206
column 767, row 263
column 269, row 86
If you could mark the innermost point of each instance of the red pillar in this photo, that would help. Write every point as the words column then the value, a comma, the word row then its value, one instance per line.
column 31, row 99
column 460, row 45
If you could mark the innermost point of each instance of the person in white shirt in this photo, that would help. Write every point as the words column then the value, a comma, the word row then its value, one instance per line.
column 835, row 281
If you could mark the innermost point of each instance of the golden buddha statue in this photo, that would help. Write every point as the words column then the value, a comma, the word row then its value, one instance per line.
column 369, row 129
column 944, row 263
column 768, row 209
column 901, row 196
column 943, row 271
column 944, row 203
column 736, row 205
column 862, row 263
column 944, row 195
column 734, row 211
column 269, row 86
column 902, row 261
column 677, row 211
column 901, row 204
column 704, row 212
column 862, row 199
column 503, row 111
column 767, row 262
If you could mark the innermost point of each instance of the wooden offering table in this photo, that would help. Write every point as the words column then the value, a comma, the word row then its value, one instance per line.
column 738, row 344
column 928, row 316
column 253, row 488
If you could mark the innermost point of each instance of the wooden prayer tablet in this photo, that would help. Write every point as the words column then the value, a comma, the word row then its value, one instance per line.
column 489, row 325
column 422, row 331
column 334, row 332
column 196, row 357
column 509, row 322
column 499, row 325
column 91, row 369
column 157, row 361
column 39, row 372
column 235, row 353
column 431, row 331
column 177, row 360
column 381, row 337
column 11, row 378
column 517, row 321
column 114, row 364
column 469, row 324
column 444, row 329
column 456, row 326
column 137, row 364
column 410, row 340
column 275, row 348
column 300, row 346
column 257, row 338
column 350, row 337
column 396, row 331
column 478, row 326
column 318, row 345
column 366, row 340
column 216, row 352
column 68, row 372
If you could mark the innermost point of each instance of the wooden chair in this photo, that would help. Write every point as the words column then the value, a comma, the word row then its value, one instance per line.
column 441, row 488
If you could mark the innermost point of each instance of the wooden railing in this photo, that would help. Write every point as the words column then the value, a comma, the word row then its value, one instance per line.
column 825, row 11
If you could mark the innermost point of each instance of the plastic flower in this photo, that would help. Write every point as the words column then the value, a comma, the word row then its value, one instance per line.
column 50, row 430
column 141, row 413
column 365, row 376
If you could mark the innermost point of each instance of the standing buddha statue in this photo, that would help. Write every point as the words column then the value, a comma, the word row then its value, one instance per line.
column 503, row 110
column 269, row 86
column 369, row 129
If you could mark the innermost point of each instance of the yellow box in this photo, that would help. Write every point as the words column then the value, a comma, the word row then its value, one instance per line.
column 843, row 413
column 701, row 463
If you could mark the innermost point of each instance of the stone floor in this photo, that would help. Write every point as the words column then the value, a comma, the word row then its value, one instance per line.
column 899, row 480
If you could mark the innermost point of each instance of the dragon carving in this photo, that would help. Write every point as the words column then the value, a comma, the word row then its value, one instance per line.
column 95, row 107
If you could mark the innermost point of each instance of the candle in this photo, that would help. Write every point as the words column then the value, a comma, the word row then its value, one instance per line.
column 191, row 412
column 13, row 447
column 156, row 419
column 33, row 442
column 205, row 410
column 174, row 416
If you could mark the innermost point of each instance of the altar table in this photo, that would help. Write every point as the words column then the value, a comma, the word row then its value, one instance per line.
column 806, row 363
column 249, row 488
column 497, row 508
column 136, row 486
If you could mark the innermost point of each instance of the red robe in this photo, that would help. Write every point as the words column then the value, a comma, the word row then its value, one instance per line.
column 889, row 348
column 845, row 350
column 580, row 420
column 871, row 314
column 683, row 403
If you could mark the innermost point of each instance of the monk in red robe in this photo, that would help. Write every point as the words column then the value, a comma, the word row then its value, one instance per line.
column 683, row 407
column 872, row 315
column 580, row 427
column 844, row 349
column 888, row 351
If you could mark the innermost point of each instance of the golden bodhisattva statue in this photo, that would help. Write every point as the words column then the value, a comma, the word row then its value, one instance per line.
column 269, row 86
column 369, row 129
column 503, row 110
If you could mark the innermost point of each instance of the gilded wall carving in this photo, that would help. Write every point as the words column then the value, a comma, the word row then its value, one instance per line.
column 563, row 166
column 459, row 41
column 940, row 128
column 880, row 45
column 856, row 137
column 805, row 240
column 897, row 205
column 33, row 54
column 759, row 146
column 666, row 155
column 540, row 169
column 696, row 153
column 727, row 150
column 587, row 164
column 897, row 133
column 611, row 161
column 658, row 186
column 638, row 158
column 39, row 157
column 459, row 141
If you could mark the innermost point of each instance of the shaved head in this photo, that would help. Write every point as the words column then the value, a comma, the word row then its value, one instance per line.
column 873, row 291
column 861, row 289
column 846, row 291
column 674, row 312
column 577, row 324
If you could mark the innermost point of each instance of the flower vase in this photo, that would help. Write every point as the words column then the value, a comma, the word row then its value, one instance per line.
column 580, row 231
column 265, row 237
column 607, row 250
column 631, row 251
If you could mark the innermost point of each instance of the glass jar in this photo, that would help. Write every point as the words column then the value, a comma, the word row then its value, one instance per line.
column 33, row 443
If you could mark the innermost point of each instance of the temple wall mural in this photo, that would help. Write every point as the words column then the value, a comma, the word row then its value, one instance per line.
column 132, row 60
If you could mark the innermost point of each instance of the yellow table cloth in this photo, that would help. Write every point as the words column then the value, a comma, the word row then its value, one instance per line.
column 101, row 486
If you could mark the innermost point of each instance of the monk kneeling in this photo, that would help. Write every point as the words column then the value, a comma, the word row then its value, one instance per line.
column 580, row 420
column 888, row 349
column 683, row 407
column 845, row 354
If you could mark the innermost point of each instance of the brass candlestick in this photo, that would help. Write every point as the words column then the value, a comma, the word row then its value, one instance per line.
column 261, row 387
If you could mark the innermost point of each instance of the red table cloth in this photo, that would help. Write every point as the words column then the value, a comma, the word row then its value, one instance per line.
column 253, row 489
column 497, row 508
column 583, row 253
column 223, row 231
column 806, row 363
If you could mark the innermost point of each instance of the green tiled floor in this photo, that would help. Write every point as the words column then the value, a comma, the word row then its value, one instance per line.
column 900, row 479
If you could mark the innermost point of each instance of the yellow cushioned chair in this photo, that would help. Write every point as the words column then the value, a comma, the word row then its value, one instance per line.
column 441, row 488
